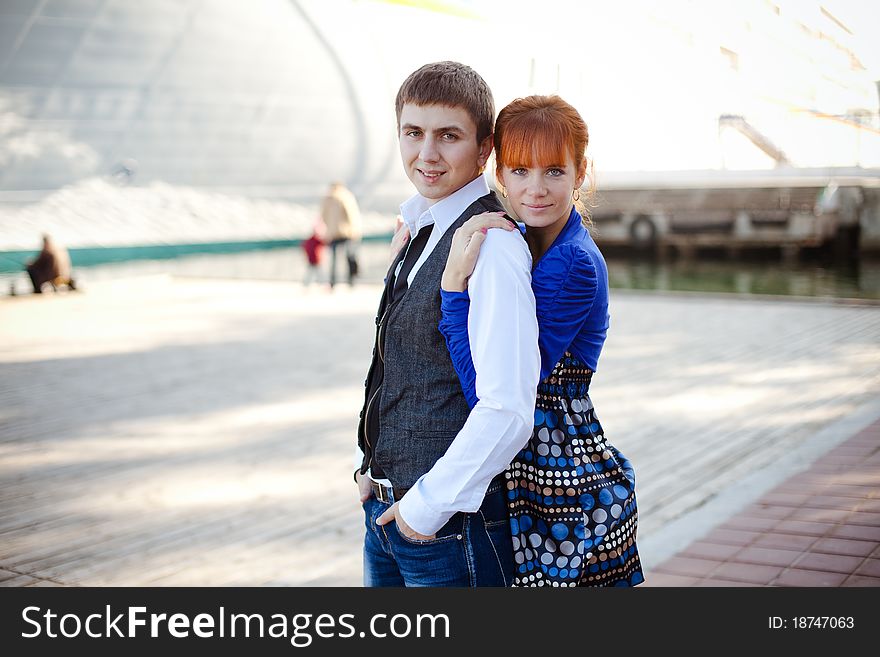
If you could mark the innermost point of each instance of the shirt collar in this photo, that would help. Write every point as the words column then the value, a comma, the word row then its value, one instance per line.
column 418, row 213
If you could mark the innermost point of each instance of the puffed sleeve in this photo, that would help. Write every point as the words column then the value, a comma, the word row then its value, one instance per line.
column 454, row 307
column 565, row 286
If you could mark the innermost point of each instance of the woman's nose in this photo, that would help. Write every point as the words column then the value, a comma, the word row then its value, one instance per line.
column 536, row 186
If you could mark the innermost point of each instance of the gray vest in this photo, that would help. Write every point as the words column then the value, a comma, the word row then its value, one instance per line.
column 421, row 404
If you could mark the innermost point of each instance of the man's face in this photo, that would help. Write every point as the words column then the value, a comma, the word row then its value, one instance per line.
column 439, row 149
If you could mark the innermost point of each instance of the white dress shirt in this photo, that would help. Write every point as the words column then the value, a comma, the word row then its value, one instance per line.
column 503, row 335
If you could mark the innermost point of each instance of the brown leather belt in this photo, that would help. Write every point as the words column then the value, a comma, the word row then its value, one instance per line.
column 386, row 493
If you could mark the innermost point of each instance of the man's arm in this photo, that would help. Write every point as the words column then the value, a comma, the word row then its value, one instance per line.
column 503, row 333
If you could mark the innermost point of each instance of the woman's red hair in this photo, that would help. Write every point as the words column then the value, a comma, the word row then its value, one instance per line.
column 539, row 131
column 543, row 131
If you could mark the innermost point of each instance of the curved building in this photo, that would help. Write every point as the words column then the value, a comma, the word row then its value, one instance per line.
column 273, row 99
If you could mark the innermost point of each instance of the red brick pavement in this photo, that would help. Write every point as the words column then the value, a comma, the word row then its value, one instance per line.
column 821, row 527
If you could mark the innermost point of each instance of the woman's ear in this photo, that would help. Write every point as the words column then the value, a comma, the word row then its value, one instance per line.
column 581, row 173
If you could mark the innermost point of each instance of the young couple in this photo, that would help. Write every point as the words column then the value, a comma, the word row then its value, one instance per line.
column 481, row 461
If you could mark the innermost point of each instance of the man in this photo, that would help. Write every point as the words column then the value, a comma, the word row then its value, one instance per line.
column 431, row 474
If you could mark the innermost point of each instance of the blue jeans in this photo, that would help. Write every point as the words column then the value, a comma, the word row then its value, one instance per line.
column 472, row 549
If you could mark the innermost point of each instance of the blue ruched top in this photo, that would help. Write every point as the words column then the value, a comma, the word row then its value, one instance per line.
column 570, row 282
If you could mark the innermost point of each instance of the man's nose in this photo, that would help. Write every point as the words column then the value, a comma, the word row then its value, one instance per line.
column 429, row 152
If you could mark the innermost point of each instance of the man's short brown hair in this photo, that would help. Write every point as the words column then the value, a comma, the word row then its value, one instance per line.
column 453, row 85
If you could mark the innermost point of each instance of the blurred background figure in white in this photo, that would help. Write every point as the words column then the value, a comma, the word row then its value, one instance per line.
column 342, row 219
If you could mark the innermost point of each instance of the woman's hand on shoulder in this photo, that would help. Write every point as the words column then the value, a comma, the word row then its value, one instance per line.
column 401, row 237
column 465, row 248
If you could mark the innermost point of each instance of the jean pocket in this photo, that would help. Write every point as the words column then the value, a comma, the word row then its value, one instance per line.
column 370, row 513
column 501, row 556
column 494, row 507
column 429, row 541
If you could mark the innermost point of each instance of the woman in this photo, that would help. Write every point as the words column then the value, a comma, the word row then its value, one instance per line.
column 571, row 494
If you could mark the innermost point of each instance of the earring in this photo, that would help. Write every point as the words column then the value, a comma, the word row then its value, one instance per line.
column 576, row 195
column 503, row 192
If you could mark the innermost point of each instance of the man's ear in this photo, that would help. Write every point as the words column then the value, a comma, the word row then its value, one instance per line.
column 485, row 151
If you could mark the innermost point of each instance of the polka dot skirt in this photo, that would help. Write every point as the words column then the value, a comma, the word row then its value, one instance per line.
column 571, row 495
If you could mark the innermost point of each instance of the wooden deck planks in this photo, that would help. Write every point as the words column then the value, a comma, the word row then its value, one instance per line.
column 194, row 432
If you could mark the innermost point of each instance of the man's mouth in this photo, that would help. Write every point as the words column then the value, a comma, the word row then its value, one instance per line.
column 431, row 176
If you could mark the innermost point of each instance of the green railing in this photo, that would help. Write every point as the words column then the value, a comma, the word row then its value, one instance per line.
column 14, row 261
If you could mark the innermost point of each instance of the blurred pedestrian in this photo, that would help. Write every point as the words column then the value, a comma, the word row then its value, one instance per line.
column 342, row 219
column 51, row 266
column 314, row 250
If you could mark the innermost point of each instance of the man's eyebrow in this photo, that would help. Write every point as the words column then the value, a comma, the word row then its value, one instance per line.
column 450, row 128
column 438, row 131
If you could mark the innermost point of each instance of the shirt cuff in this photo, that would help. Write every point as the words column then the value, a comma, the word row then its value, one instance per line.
column 418, row 515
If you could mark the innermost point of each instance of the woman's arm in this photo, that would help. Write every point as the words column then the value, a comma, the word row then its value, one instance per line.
column 453, row 326
column 565, row 286
column 455, row 302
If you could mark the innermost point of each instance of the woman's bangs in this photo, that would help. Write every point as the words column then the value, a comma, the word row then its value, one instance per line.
column 529, row 145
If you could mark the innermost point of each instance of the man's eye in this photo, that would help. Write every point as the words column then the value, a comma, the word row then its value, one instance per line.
column 414, row 133
column 450, row 137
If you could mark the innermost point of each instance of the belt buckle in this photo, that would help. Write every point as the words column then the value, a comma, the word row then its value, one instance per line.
column 382, row 493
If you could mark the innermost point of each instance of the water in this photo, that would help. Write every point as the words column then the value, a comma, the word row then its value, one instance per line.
column 859, row 280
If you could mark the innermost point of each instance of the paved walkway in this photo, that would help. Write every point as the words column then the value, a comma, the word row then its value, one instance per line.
column 182, row 431
column 820, row 527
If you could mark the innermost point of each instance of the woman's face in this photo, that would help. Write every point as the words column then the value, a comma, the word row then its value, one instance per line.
column 541, row 196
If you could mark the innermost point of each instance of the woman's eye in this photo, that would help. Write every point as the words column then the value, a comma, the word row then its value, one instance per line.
column 518, row 172
column 556, row 172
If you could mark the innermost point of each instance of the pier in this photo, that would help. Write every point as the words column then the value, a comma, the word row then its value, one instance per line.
column 159, row 430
